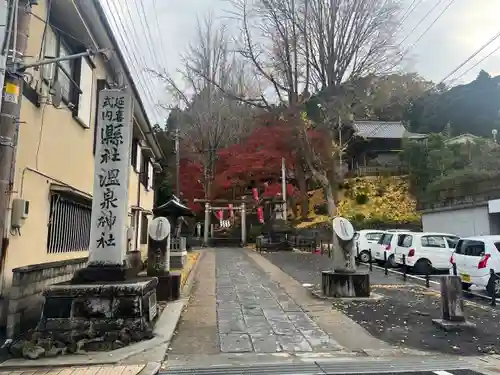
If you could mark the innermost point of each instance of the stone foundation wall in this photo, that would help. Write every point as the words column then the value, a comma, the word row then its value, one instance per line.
column 28, row 282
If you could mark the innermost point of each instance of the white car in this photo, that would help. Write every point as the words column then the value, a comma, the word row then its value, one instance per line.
column 474, row 257
column 386, row 245
column 426, row 251
column 365, row 238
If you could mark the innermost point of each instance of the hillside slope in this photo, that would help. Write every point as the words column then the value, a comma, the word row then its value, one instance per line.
column 367, row 202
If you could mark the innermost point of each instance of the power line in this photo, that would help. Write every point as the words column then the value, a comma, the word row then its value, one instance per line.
column 410, row 10
column 421, row 21
column 160, row 36
column 495, row 37
column 476, row 64
column 428, row 28
column 131, row 55
column 145, row 26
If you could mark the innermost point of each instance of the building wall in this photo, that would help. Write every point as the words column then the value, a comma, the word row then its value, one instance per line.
column 472, row 221
column 54, row 148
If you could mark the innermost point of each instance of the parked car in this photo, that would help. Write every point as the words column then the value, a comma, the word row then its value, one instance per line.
column 364, row 239
column 426, row 251
column 386, row 245
column 474, row 257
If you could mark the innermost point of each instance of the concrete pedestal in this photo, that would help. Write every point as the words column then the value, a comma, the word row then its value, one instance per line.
column 345, row 284
column 169, row 287
column 100, row 308
column 178, row 259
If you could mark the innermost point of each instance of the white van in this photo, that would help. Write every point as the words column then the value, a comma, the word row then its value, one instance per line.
column 426, row 251
column 474, row 257
column 386, row 245
column 364, row 239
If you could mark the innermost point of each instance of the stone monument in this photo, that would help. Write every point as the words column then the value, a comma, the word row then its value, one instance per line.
column 344, row 280
column 159, row 232
column 104, row 297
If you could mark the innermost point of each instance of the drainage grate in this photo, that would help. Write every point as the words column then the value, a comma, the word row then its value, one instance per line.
column 367, row 366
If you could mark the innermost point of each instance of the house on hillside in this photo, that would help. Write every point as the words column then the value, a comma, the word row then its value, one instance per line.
column 376, row 145
column 54, row 167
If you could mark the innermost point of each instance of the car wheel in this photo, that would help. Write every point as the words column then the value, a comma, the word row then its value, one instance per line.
column 423, row 267
column 494, row 287
column 364, row 256
column 466, row 286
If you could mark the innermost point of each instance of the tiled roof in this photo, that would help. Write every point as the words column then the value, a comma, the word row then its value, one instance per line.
column 383, row 129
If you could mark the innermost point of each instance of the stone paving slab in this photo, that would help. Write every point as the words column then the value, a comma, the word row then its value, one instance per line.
column 254, row 314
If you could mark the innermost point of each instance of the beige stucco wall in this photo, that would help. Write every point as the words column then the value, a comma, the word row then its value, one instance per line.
column 52, row 148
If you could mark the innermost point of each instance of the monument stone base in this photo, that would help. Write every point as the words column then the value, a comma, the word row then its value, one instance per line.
column 178, row 259
column 100, row 316
column 453, row 326
column 100, row 273
column 345, row 284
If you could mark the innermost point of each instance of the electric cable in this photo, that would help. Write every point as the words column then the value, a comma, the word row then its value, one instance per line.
column 476, row 64
column 495, row 37
column 130, row 54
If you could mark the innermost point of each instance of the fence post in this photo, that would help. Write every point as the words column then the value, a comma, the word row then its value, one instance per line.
column 405, row 268
column 357, row 255
column 454, row 266
column 493, row 277
column 370, row 260
column 385, row 264
column 427, row 279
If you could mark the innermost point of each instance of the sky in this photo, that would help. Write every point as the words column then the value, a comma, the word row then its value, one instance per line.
column 164, row 29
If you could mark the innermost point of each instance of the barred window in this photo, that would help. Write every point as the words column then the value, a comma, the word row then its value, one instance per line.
column 69, row 224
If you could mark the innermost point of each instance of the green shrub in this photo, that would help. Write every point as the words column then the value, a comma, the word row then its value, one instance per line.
column 362, row 198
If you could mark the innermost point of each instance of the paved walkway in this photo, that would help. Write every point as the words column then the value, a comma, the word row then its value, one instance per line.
column 256, row 314
column 235, row 300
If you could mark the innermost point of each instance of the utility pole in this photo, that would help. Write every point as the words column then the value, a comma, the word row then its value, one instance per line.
column 177, row 162
column 15, row 42
column 283, row 188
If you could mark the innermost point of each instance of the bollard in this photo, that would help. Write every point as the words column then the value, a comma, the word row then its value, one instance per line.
column 427, row 279
column 493, row 277
column 385, row 264
column 454, row 266
column 370, row 259
column 357, row 255
column 405, row 268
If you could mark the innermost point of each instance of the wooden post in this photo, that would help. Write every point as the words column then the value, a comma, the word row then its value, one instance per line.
column 452, row 305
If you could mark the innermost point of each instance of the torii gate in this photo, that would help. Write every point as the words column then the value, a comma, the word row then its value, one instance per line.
column 237, row 206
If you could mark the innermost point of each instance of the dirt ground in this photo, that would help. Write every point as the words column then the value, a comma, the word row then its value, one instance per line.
column 404, row 317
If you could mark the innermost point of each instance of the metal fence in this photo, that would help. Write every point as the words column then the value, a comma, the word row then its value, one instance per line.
column 69, row 225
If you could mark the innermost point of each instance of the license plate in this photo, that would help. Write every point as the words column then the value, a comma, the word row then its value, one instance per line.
column 465, row 277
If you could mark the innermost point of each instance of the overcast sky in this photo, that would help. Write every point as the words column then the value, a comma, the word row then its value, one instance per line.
column 463, row 28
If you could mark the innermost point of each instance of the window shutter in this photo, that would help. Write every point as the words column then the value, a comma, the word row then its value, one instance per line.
column 86, row 85
column 138, row 160
column 150, row 176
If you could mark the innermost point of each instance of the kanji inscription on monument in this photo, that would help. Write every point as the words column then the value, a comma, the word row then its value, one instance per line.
column 108, row 233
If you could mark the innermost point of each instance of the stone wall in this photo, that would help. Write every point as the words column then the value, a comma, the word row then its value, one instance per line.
column 25, row 296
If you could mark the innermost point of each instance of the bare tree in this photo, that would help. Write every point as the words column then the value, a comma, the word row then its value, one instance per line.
column 344, row 40
column 209, row 119
column 295, row 45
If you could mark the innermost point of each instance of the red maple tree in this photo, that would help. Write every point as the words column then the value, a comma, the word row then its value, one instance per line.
column 255, row 161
